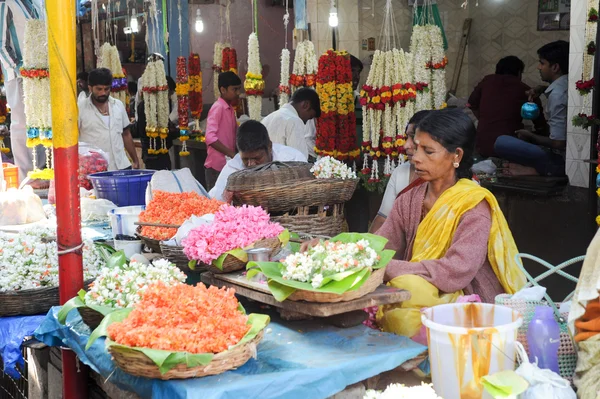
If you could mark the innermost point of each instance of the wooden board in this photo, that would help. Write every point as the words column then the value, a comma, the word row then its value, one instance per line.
column 257, row 291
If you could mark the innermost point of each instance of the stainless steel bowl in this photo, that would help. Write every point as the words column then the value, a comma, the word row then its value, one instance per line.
column 258, row 254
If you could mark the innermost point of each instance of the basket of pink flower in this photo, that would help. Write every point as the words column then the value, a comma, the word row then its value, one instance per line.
column 220, row 246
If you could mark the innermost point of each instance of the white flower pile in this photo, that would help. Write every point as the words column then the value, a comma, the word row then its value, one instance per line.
column 328, row 258
column 330, row 168
column 399, row 391
column 29, row 260
column 121, row 287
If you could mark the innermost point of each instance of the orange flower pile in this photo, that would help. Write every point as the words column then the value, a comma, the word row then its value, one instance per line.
column 183, row 318
column 174, row 208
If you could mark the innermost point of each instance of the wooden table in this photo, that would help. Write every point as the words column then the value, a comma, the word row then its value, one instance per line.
column 259, row 292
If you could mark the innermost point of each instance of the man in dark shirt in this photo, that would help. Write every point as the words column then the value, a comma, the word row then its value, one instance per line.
column 497, row 101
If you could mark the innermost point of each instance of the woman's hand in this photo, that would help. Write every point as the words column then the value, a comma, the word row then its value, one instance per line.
column 306, row 245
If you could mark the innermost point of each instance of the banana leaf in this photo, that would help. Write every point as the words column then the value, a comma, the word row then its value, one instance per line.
column 339, row 283
column 240, row 253
column 79, row 302
column 166, row 360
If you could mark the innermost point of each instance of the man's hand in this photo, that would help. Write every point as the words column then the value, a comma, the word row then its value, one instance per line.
column 525, row 135
column 534, row 93
column 227, row 196
column 135, row 164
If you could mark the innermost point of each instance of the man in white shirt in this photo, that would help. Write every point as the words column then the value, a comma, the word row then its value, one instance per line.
column 103, row 122
column 287, row 125
column 255, row 148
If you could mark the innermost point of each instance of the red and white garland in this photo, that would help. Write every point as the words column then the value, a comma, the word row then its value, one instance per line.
column 254, row 84
column 304, row 73
column 195, row 91
column 429, row 63
column 110, row 59
column 155, row 92
column 284, row 81
column 217, row 64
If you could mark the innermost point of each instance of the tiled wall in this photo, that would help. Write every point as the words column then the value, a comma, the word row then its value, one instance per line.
column 578, row 140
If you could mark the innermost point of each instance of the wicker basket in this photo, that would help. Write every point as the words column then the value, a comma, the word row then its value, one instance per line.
column 151, row 243
column 369, row 286
column 176, row 255
column 30, row 302
column 233, row 264
column 90, row 317
column 138, row 364
column 325, row 222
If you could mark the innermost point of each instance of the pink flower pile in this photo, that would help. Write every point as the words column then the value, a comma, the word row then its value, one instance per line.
column 232, row 228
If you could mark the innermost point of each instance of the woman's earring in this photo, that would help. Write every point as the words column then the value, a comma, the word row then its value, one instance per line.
column 456, row 165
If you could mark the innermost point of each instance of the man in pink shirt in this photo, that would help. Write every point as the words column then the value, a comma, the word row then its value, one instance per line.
column 221, row 126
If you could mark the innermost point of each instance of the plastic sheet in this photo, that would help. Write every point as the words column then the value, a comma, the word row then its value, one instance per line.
column 296, row 360
column 12, row 332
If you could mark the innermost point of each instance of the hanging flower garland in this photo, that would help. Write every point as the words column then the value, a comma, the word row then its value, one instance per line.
column 195, row 93
column 429, row 63
column 229, row 60
column 336, row 127
column 284, row 87
column 217, row 63
column 36, row 92
column 254, row 84
column 155, row 92
column 304, row 73
column 110, row 59
column 183, row 107
column 3, row 114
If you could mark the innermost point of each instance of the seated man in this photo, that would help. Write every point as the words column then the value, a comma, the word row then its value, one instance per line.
column 287, row 125
column 543, row 154
column 497, row 101
column 254, row 149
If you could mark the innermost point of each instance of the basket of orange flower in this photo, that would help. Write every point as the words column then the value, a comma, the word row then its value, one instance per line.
column 167, row 211
column 210, row 334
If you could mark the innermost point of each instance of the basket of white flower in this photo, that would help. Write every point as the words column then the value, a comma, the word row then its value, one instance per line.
column 29, row 271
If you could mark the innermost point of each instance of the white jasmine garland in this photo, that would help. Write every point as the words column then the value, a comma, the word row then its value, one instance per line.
column 330, row 168
column 162, row 100
column 217, row 60
column 254, row 68
column 328, row 258
column 122, row 287
column 284, row 77
column 399, row 391
column 305, row 61
column 29, row 260
column 149, row 79
column 36, row 91
column 35, row 50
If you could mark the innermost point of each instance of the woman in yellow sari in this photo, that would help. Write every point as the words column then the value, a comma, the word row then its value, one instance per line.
column 449, row 234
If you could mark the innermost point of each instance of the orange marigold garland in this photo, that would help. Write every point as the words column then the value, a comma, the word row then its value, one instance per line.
column 336, row 128
column 195, row 93
column 183, row 318
column 229, row 60
column 183, row 107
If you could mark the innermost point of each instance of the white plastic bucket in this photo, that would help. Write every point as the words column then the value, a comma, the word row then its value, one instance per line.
column 122, row 219
column 129, row 247
column 466, row 342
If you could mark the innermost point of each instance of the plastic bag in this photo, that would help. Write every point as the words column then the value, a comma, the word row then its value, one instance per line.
column 174, row 181
column 95, row 209
column 20, row 207
column 543, row 384
column 91, row 160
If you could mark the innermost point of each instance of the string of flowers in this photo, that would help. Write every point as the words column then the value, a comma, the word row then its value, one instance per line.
column 156, row 105
column 217, row 61
column 229, row 60
column 36, row 93
column 427, row 47
column 3, row 114
column 254, row 84
column 304, row 72
column 336, row 127
column 284, row 81
column 195, row 93
column 110, row 59
column 182, row 90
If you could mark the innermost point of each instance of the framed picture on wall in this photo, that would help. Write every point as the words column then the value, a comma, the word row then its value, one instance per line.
column 554, row 14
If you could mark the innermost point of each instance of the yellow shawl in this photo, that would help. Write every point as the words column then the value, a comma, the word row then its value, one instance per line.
column 433, row 238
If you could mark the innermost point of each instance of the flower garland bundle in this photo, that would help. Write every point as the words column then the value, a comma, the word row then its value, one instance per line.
column 304, row 73
column 217, row 61
column 585, row 87
column 155, row 92
column 195, row 93
column 427, row 47
column 336, row 128
column 328, row 258
column 399, row 391
column 182, row 90
column 36, row 93
column 3, row 113
column 232, row 228
column 174, row 208
column 437, row 66
column 330, row 168
column 284, row 81
column 229, row 60
column 254, row 84
column 585, row 121
column 122, row 287
column 110, row 59
column 30, row 260
column 183, row 318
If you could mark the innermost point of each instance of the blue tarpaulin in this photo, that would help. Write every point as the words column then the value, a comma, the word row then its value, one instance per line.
column 12, row 332
column 296, row 360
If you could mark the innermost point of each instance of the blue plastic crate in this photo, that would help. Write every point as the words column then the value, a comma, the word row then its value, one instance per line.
column 122, row 187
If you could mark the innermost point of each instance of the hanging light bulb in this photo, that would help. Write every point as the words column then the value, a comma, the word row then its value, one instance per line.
column 133, row 24
column 199, row 24
column 333, row 15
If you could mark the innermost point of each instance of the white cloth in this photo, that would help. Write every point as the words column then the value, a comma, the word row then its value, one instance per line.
column 281, row 153
column 82, row 96
column 311, row 137
column 285, row 127
column 399, row 180
column 174, row 115
column 93, row 130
